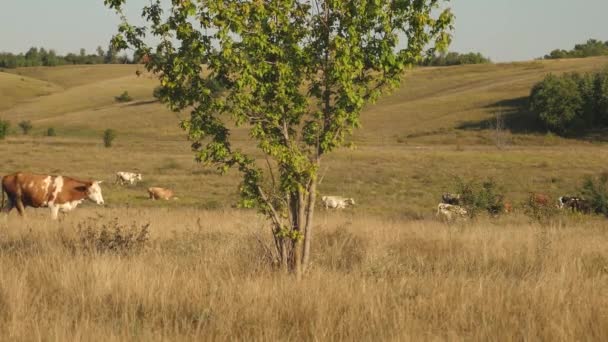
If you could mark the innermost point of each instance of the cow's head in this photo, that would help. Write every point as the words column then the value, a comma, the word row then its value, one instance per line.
column 138, row 176
column 94, row 192
column 350, row 201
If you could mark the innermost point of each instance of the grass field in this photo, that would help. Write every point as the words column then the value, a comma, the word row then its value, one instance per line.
column 383, row 270
column 202, row 276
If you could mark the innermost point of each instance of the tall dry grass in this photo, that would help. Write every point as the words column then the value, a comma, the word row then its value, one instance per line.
column 202, row 276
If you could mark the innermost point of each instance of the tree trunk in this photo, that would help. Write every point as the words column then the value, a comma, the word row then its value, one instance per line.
column 312, row 196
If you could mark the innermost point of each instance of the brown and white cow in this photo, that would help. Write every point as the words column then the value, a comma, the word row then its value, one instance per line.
column 55, row 192
column 161, row 193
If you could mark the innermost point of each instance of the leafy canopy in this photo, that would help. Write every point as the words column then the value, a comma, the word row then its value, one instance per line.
column 297, row 73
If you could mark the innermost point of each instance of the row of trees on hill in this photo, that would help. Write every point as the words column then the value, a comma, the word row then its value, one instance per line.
column 455, row 58
column 43, row 57
column 572, row 103
column 591, row 48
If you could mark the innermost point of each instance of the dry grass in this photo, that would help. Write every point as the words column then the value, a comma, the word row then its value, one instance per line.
column 201, row 276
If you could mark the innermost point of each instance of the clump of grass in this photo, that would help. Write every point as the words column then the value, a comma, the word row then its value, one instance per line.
column 4, row 126
column 26, row 126
column 50, row 132
column 108, row 137
column 124, row 97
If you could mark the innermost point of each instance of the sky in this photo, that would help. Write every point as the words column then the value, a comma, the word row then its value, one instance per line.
column 504, row 30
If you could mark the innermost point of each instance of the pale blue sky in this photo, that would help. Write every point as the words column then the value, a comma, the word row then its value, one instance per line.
column 504, row 30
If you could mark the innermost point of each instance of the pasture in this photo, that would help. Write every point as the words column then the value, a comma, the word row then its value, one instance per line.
column 383, row 270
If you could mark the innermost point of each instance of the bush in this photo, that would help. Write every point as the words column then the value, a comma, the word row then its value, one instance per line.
column 4, row 126
column 50, row 132
column 108, row 137
column 108, row 238
column 26, row 126
column 124, row 97
column 480, row 197
column 595, row 190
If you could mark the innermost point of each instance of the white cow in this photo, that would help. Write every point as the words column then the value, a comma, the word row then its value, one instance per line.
column 451, row 212
column 337, row 202
column 127, row 177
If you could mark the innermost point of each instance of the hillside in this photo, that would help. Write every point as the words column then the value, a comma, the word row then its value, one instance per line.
column 15, row 89
column 412, row 146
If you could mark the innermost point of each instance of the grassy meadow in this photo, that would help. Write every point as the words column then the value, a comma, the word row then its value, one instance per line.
column 385, row 270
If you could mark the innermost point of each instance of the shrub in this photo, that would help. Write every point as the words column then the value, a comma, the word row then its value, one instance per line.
column 595, row 190
column 4, row 126
column 111, row 237
column 108, row 137
column 480, row 197
column 50, row 132
column 124, row 97
column 26, row 126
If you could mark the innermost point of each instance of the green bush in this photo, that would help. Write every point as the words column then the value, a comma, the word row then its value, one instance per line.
column 124, row 97
column 4, row 126
column 50, row 132
column 478, row 197
column 26, row 126
column 108, row 137
column 595, row 190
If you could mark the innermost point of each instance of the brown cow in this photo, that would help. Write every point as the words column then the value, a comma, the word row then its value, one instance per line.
column 539, row 199
column 55, row 192
column 161, row 193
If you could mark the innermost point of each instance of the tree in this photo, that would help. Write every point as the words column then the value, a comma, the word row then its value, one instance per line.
column 111, row 55
column 296, row 73
column 558, row 103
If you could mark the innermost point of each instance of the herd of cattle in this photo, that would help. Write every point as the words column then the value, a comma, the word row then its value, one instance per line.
column 60, row 193
column 451, row 206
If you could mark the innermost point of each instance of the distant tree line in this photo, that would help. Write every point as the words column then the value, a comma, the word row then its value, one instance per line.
column 591, row 48
column 455, row 58
column 42, row 57
column 572, row 103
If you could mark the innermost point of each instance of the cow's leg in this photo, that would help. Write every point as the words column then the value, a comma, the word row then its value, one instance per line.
column 20, row 206
column 54, row 212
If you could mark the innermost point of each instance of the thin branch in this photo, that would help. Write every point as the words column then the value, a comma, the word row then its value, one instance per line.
column 273, row 213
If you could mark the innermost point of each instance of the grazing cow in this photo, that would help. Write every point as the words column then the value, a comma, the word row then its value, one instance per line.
column 539, row 200
column 337, row 202
column 127, row 177
column 448, row 198
column 450, row 212
column 507, row 207
column 55, row 192
column 574, row 203
column 161, row 193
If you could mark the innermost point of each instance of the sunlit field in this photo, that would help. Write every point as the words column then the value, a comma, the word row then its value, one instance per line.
column 202, row 275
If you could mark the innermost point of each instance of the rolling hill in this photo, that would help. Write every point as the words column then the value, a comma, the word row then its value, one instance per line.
column 412, row 145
